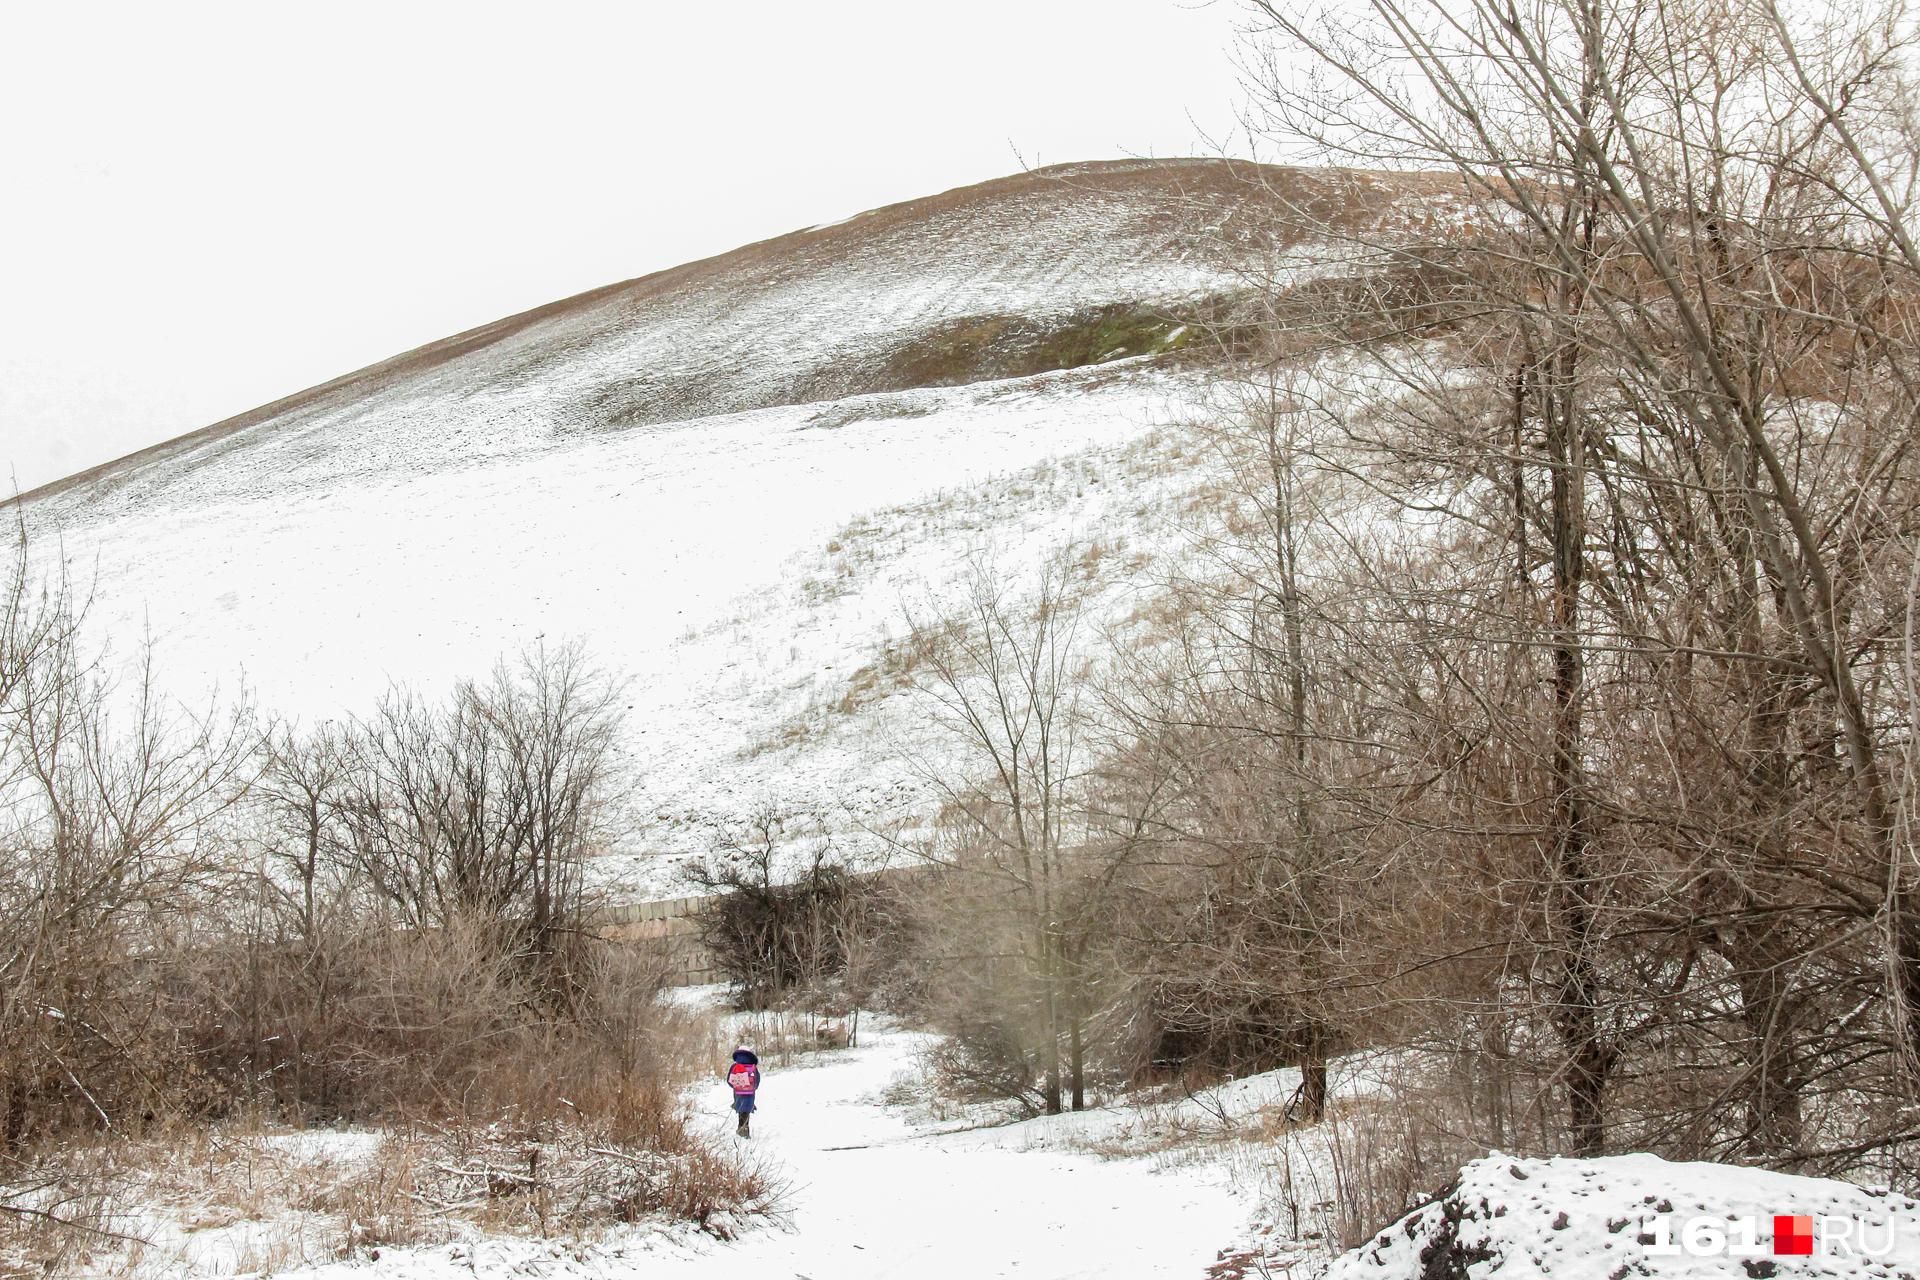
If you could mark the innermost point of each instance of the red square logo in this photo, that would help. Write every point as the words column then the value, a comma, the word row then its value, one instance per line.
column 1793, row 1234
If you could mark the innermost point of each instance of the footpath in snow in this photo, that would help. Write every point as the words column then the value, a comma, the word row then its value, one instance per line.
column 872, row 1195
column 869, row 1188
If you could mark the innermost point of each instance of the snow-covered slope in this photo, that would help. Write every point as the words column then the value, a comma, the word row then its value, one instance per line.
column 727, row 478
column 894, row 298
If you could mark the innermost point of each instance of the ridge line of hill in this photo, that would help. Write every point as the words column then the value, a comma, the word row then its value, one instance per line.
column 431, row 354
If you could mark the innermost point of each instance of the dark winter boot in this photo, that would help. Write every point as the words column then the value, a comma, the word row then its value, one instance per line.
column 742, row 1130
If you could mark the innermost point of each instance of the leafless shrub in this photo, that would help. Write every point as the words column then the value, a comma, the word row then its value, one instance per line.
column 381, row 921
column 485, row 807
column 111, row 844
column 788, row 919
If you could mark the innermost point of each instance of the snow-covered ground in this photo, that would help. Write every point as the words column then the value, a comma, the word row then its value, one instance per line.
column 877, row 1178
column 872, row 1193
column 871, row 1182
column 1639, row 1215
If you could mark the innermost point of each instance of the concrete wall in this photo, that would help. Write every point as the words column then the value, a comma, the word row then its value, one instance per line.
column 666, row 926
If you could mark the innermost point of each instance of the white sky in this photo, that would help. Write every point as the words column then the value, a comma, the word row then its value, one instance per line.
column 208, row 206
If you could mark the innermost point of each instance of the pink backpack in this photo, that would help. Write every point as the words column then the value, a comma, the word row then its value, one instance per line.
column 741, row 1078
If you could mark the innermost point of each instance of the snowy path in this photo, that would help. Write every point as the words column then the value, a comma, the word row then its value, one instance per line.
column 871, row 1196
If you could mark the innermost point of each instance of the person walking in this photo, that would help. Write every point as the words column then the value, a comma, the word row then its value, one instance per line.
column 744, row 1077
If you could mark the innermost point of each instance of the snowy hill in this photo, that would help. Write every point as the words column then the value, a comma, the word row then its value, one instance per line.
column 727, row 478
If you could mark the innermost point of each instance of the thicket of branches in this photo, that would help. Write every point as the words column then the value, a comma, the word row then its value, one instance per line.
column 789, row 921
column 381, row 916
column 1579, row 621
column 1547, row 702
column 111, row 863
column 1018, row 923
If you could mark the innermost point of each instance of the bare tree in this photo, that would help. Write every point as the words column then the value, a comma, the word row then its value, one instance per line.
column 485, row 808
column 1653, row 353
column 1022, row 823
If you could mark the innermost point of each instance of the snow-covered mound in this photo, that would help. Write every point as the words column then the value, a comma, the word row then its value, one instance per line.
column 1639, row 1215
column 1000, row 278
column 727, row 479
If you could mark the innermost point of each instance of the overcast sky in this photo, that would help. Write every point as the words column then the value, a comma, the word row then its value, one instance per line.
column 209, row 206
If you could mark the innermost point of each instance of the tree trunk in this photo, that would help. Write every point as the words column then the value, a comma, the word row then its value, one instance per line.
column 1571, row 892
column 15, row 1136
column 1051, row 999
column 1078, row 1063
column 1313, row 1075
column 1771, row 1009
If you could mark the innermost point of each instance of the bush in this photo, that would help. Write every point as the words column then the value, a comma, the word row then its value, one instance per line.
column 781, row 923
